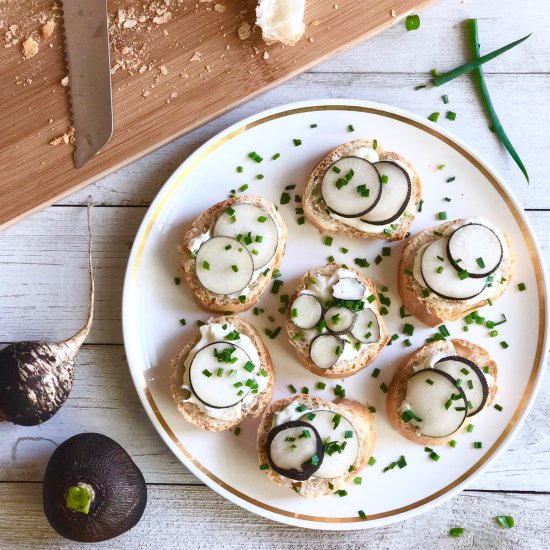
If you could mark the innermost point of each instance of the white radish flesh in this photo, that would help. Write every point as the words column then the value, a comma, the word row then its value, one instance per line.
column 224, row 265
column 306, row 311
column 366, row 328
column 344, row 450
column 396, row 192
column 325, row 350
column 255, row 228
column 289, row 450
column 430, row 395
column 339, row 319
column 442, row 278
column 351, row 187
column 476, row 249
column 218, row 383
column 470, row 378
column 348, row 288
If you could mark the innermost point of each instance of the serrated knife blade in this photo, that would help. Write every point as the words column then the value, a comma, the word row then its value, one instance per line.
column 88, row 62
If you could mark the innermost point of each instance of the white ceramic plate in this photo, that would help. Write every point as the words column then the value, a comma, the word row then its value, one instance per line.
column 153, row 306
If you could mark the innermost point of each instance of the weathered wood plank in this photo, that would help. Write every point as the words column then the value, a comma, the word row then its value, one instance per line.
column 138, row 183
column 43, row 279
column 195, row 517
column 104, row 400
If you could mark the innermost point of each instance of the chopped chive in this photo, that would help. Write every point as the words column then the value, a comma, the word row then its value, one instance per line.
column 470, row 428
column 205, row 265
column 521, row 287
column 328, row 241
column 442, row 215
column 275, row 156
column 264, row 466
column 313, row 125
column 285, row 198
column 445, row 99
column 384, row 388
column 451, row 115
column 401, row 463
column 372, row 461
column 386, row 251
column 463, row 275
column 237, row 431
column 434, row 456
column 361, row 262
column 452, row 443
column 351, row 128
column 478, row 445
column 243, row 188
column 292, row 388
column 362, row 514
column 242, row 298
column 504, row 344
column 375, row 373
column 297, row 142
column 498, row 407
column 341, row 493
column 434, row 117
column 384, row 178
column 412, row 22
column 183, row 322
column 378, row 259
column 321, row 385
column 456, row 532
column 207, row 373
column 235, row 268
column 505, row 521
column 419, row 87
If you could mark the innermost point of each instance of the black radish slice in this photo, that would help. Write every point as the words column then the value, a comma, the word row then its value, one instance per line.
column 442, row 278
column 470, row 378
column 37, row 377
column 295, row 450
column 92, row 491
column 253, row 227
column 325, row 350
column 475, row 248
column 340, row 439
column 396, row 192
column 221, row 375
column 348, row 288
column 224, row 266
column 351, row 187
column 366, row 328
column 339, row 319
column 306, row 311
column 433, row 397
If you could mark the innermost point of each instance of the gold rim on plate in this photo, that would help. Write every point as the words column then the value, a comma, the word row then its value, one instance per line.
column 528, row 242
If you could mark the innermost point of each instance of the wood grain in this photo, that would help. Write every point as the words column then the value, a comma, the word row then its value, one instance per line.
column 196, row 518
column 227, row 72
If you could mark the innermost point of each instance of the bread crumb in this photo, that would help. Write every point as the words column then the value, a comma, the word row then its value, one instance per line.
column 244, row 30
column 173, row 95
column 48, row 28
column 130, row 23
column 219, row 8
column 315, row 23
column 196, row 56
column 393, row 13
column 65, row 81
column 65, row 139
column 162, row 19
column 30, row 47
column 146, row 93
column 163, row 70
column 266, row 55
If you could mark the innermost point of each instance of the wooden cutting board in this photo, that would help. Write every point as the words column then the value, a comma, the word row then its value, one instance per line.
column 176, row 64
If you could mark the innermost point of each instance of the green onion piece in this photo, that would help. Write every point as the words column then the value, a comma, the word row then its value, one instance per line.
column 504, row 345
column 439, row 80
column 384, row 388
column 243, row 188
column 486, row 98
column 452, row 443
column 478, row 445
column 521, row 287
column 264, row 466
column 434, row 117
column 451, row 115
column 239, row 169
column 183, row 322
column 351, row 128
column 498, row 407
column 434, row 456
column 419, row 87
column 342, row 493
column 401, row 463
column 375, row 373
column 442, row 215
column 297, row 142
column 412, row 22
column 292, row 388
column 372, row 461
column 470, row 428
column 445, row 99
column 275, row 156
column 362, row 514
column 505, row 521
column 456, row 532
column 207, row 373
column 237, row 431
column 321, row 385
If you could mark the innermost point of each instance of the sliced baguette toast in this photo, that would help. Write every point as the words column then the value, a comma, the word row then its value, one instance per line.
column 192, row 412
column 360, row 417
column 398, row 387
column 434, row 310
column 366, row 356
column 217, row 302
column 315, row 210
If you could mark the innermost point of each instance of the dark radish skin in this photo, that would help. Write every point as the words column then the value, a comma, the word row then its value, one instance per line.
column 93, row 491
column 37, row 377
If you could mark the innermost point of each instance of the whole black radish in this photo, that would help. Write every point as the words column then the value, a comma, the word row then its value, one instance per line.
column 37, row 377
column 93, row 491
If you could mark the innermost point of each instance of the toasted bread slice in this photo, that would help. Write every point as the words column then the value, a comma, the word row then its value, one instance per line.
column 366, row 356
column 218, row 302
column 359, row 416
column 433, row 309
column 398, row 387
column 195, row 414
column 317, row 214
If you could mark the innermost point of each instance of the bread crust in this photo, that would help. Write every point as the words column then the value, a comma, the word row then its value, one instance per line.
column 357, row 413
column 317, row 215
column 398, row 387
column 366, row 356
column 434, row 310
column 219, row 303
column 192, row 412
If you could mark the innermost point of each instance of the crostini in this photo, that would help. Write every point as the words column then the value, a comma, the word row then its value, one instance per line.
column 362, row 191
column 230, row 252
column 223, row 375
column 438, row 388
column 315, row 446
column 334, row 322
column 456, row 267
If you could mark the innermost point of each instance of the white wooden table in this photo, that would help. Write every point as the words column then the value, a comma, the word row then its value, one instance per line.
column 43, row 295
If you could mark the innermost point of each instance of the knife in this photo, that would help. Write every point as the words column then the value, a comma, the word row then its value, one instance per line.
column 87, row 52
